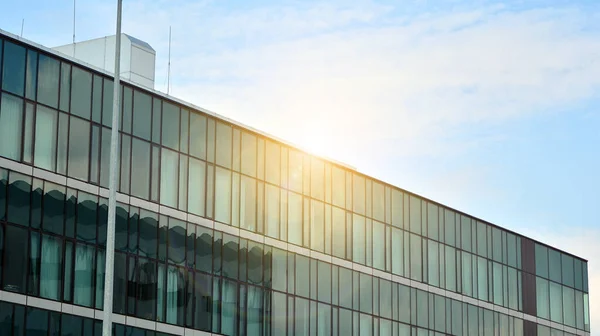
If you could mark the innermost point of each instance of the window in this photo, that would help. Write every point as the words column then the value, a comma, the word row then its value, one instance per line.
column 415, row 214
column 248, row 164
column 295, row 171
column 541, row 260
column 50, row 271
column 397, row 251
column 317, row 179
column 11, row 121
column 49, row 70
column 65, row 86
column 248, row 203
column 555, row 268
column 415, row 258
column 432, row 221
column 15, row 259
column 449, row 225
column 379, row 244
column 169, row 170
column 272, row 211
column 295, row 218
column 324, row 282
column 79, row 148
column 338, row 187
column 223, row 154
column 358, row 194
column 140, row 177
column 176, row 242
column 397, row 207
column 568, row 276
column 273, row 163
column 125, row 163
column 184, row 131
column 170, row 125
column 338, row 234
column 358, row 241
column 482, row 278
column 223, row 195
column 84, row 275
column 450, row 266
column 13, row 69
column 198, row 135
column 45, row 138
column 196, row 187
column 433, row 264
column 556, row 304
column 81, row 95
column 142, row 115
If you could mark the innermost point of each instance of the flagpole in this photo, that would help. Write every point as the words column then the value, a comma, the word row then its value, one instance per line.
column 112, row 186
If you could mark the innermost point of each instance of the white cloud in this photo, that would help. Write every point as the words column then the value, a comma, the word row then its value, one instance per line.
column 408, row 83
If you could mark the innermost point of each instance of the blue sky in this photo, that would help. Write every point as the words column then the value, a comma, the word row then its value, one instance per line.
column 489, row 107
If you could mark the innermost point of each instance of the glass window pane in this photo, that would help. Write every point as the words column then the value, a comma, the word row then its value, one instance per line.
column 45, row 138
column 81, row 95
column 541, row 260
column 79, row 148
column 223, row 195
column 48, row 78
column 295, row 218
column 140, row 167
column 415, row 214
column 96, row 99
column 568, row 276
column 302, row 276
column 142, row 114
column 324, row 282
column 13, row 69
column 11, row 121
column 249, row 154
column 433, row 264
column 358, row 193
column 170, row 125
column 224, row 149
column 198, row 135
column 65, row 87
column 556, row 304
column 295, row 170
column 555, row 269
column 415, row 258
column 15, row 250
column 397, row 252
column 196, row 187
column 176, row 241
column 569, row 306
column 450, row 265
column 338, row 232
column 125, row 163
column 84, row 275
column 302, row 317
column 175, row 304
column 273, row 162
column 169, row 172
column 482, row 278
column 432, row 221
column 184, row 131
column 317, row 229
column 31, row 75
column 248, row 203
column 379, row 245
column 51, row 264
column 449, row 225
column 317, row 178
column 358, row 241
column 272, row 211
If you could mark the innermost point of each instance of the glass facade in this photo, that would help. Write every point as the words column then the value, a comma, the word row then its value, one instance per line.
column 363, row 257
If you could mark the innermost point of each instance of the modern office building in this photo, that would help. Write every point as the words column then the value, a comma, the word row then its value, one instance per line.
column 224, row 230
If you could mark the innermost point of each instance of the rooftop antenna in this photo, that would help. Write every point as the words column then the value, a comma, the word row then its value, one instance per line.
column 74, row 3
column 169, row 65
column 22, row 25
